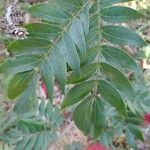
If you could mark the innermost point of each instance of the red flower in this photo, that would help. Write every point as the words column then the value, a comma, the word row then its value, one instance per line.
column 44, row 89
column 147, row 119
column 96, row 146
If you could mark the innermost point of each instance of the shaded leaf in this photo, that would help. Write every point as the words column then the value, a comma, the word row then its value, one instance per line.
column 119, row 14
column 68, row 50
column 111, row 95
column 59, row 67
column 136, row 131
column 82, row 115
column 30, row 46
column 98, row 118
column 118, row 57
column 122, row 36
column 50, row 13
column 20, row 63
column 77, row 35
column 85, row 73
column 19, row 83
column 77, row 93
column 118, row 79
column 43, row 31
column 27, row 101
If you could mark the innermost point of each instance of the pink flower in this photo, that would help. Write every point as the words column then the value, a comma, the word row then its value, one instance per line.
column 96, row 146
column 147, row 119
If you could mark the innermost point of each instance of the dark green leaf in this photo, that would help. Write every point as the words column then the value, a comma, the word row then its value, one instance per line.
column 111, row 95
column 77, row 35
column 118, row 14
column 98, row 118
column 85, row 73
column 69, row 5
column 68, row 51
column 27, row 101
column 30, row 46
column 19, row 83
column 122, row 36
column 77, row 93
column 90, row 56
column 20, row 63
column 136, row 131
column 82, row 115
column 43, row 31
column 118, row 57
column 59, row 67
column 84, row 17
column 51, row 13
column 118, row 79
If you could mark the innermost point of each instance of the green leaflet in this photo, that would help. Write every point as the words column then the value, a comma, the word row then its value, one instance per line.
column 50, row 13
column 68, row 5
column 118, row 79
column 89, row 116
column 122, row 36
column 77, row 93
column 91, row 54
column 111, row 95
column 59, row 67
column 43, row 31
column 20, row 63
column 130, row 139
column 77, row 35
column 68, row 50
column 119, row 58
column 132, row 134
column 98, row 118
column 85, row 73
column 136, row 131
column 19, row 83
column 82, row 115
column 30, row 46
column 27, row 101
column 92, row 37
column 84, row 17
column 48, row 77
column 119, row 14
